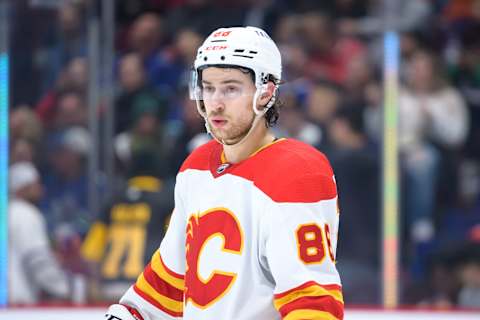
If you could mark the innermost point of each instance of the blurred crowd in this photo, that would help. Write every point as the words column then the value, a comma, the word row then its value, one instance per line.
column 332, row 99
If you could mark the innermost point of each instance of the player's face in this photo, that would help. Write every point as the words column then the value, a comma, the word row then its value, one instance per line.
column 227, row 95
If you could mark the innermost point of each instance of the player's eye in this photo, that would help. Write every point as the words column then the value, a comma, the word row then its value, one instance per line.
column 232, row 91
column 208, row 89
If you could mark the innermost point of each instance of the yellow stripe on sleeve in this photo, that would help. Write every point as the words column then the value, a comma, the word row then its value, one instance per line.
column 159, row 269
column 307, row 314
column 311, row 291
column 173, row 305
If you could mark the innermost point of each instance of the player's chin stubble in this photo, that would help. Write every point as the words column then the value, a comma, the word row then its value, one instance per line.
column 233, row 134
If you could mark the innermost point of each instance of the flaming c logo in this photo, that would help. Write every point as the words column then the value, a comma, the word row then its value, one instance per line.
column 217, row 222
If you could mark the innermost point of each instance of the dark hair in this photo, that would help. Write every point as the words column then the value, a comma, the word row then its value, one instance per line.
column 439, row 73
column 273, row 113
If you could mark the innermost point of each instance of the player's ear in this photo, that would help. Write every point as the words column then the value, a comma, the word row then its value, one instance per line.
column 266, row 93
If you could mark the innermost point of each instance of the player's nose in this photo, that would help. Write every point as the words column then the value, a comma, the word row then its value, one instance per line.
column 217, row 104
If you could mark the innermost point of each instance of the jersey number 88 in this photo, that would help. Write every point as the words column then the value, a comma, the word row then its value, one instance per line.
column 313, row 242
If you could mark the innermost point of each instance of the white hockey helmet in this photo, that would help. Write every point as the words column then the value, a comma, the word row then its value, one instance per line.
column 247, row 47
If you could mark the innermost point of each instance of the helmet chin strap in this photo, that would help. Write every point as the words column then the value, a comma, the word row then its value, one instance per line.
column 258, row 116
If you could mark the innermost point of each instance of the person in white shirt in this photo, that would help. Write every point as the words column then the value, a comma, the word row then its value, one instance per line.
column 254, row 231
column 433, row 121
column 33, row 269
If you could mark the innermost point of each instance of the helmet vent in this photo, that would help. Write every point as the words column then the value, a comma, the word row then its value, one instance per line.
column 253, row 52
column 239, row 50
column 219, row 40
column 242, row 55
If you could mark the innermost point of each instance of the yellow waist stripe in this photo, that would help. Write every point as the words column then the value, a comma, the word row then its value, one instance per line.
column 159, row 269
column 308, row 314
column 312, row 291
column 173, row 305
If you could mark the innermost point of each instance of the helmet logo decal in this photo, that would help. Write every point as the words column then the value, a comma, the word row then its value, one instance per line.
column 216, row 48
column 221, row 34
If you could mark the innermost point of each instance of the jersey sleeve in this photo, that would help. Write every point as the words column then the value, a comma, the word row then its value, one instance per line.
column 300, row 248
column 158, row 291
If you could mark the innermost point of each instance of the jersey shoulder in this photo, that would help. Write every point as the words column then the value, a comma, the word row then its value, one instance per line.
column 293, row 171
column 200, row 158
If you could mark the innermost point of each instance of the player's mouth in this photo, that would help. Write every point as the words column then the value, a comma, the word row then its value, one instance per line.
column 218, row 122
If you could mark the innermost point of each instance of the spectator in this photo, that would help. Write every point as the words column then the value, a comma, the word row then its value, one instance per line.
column 146, row 130
column 65, row 201
column 33, row 269
column 322, row 103
column 329, row 53
column 24, row 124
column 432, row 115
column 146, row 36
column 22, row 150
column 295, row 58
column 71, row 111
column 287, row 29
column 185, row 43
column 146, row 40
column 134, row 87
column 26, row 135
column 71, row 79
column 126, row 234
column 70, row 42
column 172, row 65
column 358, row 76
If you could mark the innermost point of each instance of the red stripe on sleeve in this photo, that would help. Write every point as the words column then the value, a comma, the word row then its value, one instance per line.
column 306, row 285
column 155, row 303
column 322, row 303
column 161, row 286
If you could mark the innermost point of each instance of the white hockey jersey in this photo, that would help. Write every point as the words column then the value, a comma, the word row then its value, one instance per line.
column 252, row 240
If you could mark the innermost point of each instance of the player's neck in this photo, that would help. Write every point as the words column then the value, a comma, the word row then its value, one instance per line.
column 257, row 139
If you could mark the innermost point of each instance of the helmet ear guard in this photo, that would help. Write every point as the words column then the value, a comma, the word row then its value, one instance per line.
column 265, row 91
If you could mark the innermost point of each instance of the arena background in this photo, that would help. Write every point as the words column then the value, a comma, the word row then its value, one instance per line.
column 94, row 92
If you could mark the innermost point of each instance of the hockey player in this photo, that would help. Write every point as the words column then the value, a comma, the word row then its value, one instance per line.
column 254, row 230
